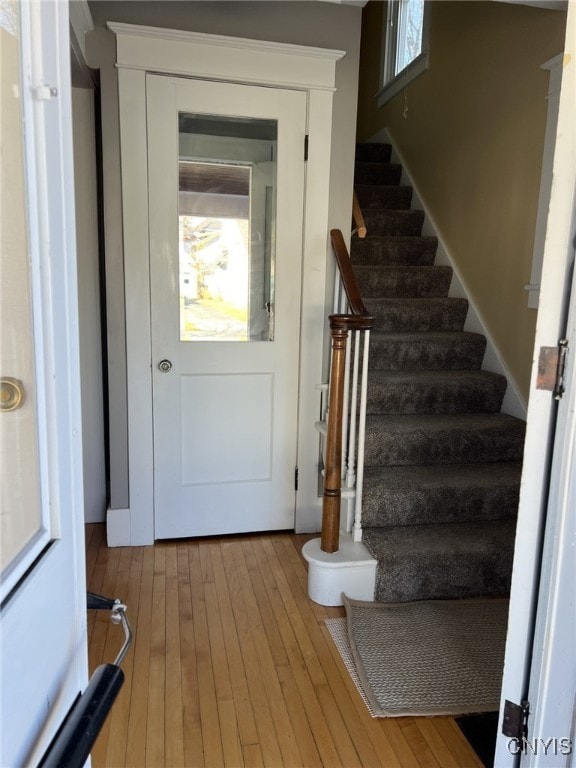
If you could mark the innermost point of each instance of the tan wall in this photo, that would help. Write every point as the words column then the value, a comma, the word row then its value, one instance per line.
column 472, row 142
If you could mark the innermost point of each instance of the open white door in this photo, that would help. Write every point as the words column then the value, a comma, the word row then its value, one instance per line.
column 542, row 672
column 43, row 665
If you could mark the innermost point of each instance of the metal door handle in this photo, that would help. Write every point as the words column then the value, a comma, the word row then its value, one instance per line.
column 165, row 366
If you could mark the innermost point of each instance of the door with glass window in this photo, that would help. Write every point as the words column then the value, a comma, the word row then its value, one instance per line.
column 226, row 187
column 43, row 664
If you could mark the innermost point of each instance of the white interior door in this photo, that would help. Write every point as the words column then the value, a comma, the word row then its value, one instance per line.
column 43, row 665
column 226, row 191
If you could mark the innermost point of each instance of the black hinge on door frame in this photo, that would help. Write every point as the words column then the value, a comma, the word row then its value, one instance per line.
column 515, row 720
column 306, row 141
column 295, row 478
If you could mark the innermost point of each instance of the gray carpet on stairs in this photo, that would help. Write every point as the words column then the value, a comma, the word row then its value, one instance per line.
column 443, row 464
column 435, row 561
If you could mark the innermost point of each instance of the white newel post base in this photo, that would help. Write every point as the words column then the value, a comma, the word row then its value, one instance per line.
column 351, row 570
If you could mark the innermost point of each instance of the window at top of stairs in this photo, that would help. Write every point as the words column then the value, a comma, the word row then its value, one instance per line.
column 405, row 46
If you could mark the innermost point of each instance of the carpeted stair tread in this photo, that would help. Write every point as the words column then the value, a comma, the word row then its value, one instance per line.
column 450, row 493
column 443, row 439
column 373, row 152
column 400, row 281
column 428, row 314
column 387, row 250
column 428, row 392
column 442, row 561
column 432, row 350
column 391, row 196
column 382, row 174
column 383, row 222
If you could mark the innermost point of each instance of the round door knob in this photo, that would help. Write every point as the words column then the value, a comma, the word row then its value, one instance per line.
column 11, row 393
column 165, row 366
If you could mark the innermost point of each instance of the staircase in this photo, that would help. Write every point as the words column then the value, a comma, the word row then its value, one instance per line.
column 442, row 463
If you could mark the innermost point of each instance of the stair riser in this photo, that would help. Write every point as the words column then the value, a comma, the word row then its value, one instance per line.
column 427, row 315
column 458, row 576
column 407, row 251
column 425, row 506
column 377, row 173
column 441, row 443
column 442, row 561
column 403, row 282
column 372, row 152
column 414, row 398
column 392, row 197
column 398, row 356
column 394, row 223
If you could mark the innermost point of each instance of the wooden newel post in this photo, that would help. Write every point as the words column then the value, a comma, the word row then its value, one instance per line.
column 333, row 470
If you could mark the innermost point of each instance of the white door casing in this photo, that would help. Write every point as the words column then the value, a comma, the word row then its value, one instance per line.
column 43, row 660
column 225, row 414
column 536, row 492
column 227, row 59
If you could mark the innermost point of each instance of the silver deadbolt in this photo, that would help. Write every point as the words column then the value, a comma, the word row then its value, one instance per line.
column 165, row 366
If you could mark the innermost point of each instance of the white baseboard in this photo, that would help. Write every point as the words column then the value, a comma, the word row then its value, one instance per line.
column 513, row 404
column 118, row 528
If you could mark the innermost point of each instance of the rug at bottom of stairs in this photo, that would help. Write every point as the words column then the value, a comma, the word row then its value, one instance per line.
column 430, row 657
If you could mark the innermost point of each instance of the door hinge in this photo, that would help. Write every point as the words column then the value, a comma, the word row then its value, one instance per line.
column 306, row 141
column 295, row 478
column 515, row 720
column 551, row 365
column 44, row 92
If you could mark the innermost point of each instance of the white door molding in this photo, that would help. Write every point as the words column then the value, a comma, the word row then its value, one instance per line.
column 554, row 67
column 142, row 49
column 538, row 488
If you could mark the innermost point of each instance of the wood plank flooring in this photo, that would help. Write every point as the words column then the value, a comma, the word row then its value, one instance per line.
column 232, row 665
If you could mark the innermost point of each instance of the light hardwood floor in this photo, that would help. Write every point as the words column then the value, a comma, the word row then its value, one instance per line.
column 232, row 665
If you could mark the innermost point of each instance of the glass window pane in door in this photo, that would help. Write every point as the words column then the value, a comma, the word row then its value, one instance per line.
column 20, row 506
column 227, row 212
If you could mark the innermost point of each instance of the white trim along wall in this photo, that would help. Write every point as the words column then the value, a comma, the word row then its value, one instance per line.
column 514, row 403
column 313, row 70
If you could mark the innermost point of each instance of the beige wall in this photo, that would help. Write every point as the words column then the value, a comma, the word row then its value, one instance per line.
column 317, row 24
column 472, row 142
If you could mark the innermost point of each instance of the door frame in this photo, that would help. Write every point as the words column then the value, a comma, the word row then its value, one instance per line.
column 139, row 50
column 43, row 643
column 545, row 479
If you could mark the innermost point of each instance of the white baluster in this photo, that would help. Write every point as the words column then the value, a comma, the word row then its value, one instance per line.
column 351, row 468
column 361, row 437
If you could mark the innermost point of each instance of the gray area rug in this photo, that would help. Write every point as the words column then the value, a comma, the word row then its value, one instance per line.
column 431, row 657
column 339, row 633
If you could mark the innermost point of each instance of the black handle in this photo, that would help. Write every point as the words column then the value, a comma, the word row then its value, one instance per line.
column 98, row 602
column 72, row 744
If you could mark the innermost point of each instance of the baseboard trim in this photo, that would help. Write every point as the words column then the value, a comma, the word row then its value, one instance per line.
column 118, row 528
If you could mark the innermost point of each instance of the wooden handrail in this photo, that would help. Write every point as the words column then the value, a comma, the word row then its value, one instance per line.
column 346, row 272
column 358, row 218
column 359, row 319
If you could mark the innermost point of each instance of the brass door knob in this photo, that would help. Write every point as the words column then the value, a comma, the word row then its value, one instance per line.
column 11, row 393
